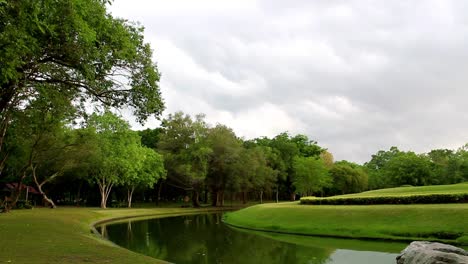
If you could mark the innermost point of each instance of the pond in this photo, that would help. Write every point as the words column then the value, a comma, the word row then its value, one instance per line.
column 203, row 238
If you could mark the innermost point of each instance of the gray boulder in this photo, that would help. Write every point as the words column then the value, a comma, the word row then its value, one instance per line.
column 423, row 252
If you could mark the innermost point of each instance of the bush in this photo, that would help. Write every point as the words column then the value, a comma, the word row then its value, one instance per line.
column 402, row 199
column 22, row 204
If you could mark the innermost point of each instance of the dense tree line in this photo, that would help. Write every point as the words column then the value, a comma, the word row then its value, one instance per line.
column 188, row 157
column 62, row 58
column 394, row 167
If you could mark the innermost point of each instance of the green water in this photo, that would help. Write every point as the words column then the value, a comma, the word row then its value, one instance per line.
column 205, row 239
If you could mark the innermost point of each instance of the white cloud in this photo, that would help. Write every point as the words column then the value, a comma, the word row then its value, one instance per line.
column 357, row 76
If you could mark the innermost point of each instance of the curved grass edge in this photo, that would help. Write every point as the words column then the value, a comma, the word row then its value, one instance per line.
column 435, row 198
column 283, row 228
column 114, row 220
column 367, row 238
column 69, row 235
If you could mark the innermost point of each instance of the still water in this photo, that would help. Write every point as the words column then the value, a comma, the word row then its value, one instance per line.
column 203, row 238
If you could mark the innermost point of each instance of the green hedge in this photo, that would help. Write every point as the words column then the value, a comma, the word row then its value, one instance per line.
column 403, row 199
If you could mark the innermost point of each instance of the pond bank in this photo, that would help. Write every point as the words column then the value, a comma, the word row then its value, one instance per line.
column 441, row 222
column 63, row 235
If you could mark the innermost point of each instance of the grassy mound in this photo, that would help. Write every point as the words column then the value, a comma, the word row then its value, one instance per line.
column 63, row 235
column 455, row 193
column 435, row 222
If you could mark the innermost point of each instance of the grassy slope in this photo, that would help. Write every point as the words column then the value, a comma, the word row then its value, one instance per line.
column 398, row 222
column 433, row 189
column 63, row 236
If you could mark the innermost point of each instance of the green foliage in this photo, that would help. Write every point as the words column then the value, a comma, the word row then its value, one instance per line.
column 310, row 175
column 226, row 149
column 22, row 204
column 119, row 158
column 454, row 193
column 183, row 144
column 77, row 48
column 401, row 199
column 408, row 168
column 348, row 178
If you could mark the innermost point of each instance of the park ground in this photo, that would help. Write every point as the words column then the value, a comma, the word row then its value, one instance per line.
column 434, row 222
column 64, row 235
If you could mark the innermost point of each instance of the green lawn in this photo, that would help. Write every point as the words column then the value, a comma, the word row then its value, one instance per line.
column 454, row 193
column 441, row 222
column 64, row 235
column 433, row 189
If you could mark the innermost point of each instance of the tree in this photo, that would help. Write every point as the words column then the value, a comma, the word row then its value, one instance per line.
column 150, row 137
column 146, row 167
column 183, row 144
column 348, row 178
column 310, row 175
column 440, row 160
column 306, row 147
column 250, row 171
column 113, row 161
column 327, row 158
column 40, row 144
column 376, row 165
column 78, row 49
column 408, row 168
column 226, row 148
column 287, row 150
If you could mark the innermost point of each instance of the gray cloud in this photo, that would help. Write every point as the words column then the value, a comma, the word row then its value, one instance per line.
column 357, row 76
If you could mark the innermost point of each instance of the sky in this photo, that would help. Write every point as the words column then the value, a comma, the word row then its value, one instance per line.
column 355, row 76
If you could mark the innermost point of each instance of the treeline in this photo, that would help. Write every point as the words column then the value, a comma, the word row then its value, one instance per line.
column 186, row 157
column 394, row 167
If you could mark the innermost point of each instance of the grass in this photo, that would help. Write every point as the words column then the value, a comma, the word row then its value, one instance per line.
column 433, row 189
column 454, row 193
column 63, row 235
column 441, row 222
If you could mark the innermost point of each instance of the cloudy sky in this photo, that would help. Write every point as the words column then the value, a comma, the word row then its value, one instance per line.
column 357, row 76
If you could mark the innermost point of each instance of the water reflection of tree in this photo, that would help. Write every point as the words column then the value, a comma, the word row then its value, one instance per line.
column 204, row 239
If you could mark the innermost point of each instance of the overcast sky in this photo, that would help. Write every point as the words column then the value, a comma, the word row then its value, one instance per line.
column 356, row 76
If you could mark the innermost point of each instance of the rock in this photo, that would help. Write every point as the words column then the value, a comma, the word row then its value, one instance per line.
column 423, row 252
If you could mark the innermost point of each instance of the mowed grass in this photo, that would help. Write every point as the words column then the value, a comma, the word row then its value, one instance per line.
column 433, row 189
column 436, row 222
column 63, row 235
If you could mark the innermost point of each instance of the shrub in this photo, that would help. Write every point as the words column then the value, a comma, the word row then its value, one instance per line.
column 22, row 204
column 401, row 199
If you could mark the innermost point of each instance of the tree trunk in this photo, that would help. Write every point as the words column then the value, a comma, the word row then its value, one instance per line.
column 195, row 199
column 244, row 200
column 130, row 196
column 215, row 197
column 261, row 196
column 277, row 195
column 159, row 192
column 78, row 195
column 222, row 198
column 206, row 196
column 293, row 196
column 39, row 187
column 14, row 197
column 105, row 190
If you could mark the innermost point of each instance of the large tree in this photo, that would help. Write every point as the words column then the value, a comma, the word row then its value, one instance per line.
column 348, row 178
column 144, row 168
column 114, row 159
column 77, row 48
column 226, row 148
column 408, row 168
column 40, row 144
column 310, row 175
column 186, row 153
